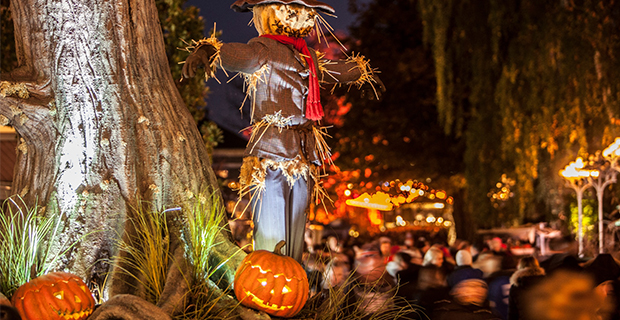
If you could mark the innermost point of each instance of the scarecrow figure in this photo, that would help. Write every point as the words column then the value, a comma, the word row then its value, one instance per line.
column 286, row 147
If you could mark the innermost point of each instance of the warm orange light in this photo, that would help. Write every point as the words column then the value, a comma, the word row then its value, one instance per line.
column 378, row 201
column 574, row 170
column 375, row 217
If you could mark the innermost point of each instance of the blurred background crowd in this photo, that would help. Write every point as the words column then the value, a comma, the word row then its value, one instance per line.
column 482, row 280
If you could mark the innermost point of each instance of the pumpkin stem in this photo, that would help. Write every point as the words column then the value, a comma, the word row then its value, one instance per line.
column 278, row 249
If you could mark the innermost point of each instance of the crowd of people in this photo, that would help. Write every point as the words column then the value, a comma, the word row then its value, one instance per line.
column 466, row 281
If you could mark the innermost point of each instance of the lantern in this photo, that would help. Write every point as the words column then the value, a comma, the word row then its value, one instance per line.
column 56, row 295
column 272, row 282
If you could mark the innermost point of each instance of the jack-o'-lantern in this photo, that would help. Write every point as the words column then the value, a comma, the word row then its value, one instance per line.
column 56, row 295
column 272, row 282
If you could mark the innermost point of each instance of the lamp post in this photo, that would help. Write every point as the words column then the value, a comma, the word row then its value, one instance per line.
column 609, row 164
column 600, row 180
column 577, row 179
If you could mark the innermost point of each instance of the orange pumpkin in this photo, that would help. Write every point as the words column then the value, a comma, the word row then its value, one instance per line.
column 56, row 295
column 272, row 282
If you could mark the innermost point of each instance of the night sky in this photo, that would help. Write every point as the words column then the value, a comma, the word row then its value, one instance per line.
column 225, row 99
column 235, row 25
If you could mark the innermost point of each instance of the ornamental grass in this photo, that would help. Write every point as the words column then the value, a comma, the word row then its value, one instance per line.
column 26, row 235
column 144, row 251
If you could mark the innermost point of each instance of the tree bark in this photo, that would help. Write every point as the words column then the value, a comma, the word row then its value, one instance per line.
column 101, row 123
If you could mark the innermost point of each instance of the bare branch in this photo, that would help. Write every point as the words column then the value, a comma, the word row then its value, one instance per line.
column 26, row 108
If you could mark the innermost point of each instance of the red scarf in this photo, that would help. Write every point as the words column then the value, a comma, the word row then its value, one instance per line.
column 314, row 110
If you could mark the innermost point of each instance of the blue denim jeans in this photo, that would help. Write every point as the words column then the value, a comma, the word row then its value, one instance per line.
column 280, row 214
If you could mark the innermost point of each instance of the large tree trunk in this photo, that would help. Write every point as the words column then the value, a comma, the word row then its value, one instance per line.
column 101, row 122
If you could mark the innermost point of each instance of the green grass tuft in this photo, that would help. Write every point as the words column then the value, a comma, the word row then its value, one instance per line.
column 144, row 253
column 25, row 235
column 204, row 222
column 345, row 302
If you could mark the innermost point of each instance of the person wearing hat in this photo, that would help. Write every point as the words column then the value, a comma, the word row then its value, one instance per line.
column 467, row 302
column 464, row 269
column 280, row 167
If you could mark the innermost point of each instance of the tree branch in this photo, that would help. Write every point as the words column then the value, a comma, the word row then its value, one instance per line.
column 26, row 106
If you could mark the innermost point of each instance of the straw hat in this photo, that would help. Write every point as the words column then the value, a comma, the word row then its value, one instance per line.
column 246, row 5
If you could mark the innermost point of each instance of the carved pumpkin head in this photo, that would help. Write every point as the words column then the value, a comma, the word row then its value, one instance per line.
column 293, row 20
column 271, row 282
column 56, row 295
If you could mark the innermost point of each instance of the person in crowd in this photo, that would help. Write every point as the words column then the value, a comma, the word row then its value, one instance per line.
column 406, row 273
column 431, row 287
column 467, row 302
column 369, row 265
column 561, row 262
column 459, row 245
column 604, row 269
column 416, row 255
column 336, row 273
column 499, row 248
column 409, row 243
column 386, row 248
column 464, row 269
column 499, row 286
column 488, row 263
column 433, row 256
column 565, row 295
column 479, row 248
column 336, row 250
column 528, row 274
column 400, row 261
column 371, row 286
column 314, row 263
column 423, row 244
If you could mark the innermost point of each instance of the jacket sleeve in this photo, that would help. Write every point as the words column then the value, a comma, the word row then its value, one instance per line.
column 342, row 71
column 242, row 57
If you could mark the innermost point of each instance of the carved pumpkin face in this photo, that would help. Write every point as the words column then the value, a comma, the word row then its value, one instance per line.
column 56, row 295
column 271, row 282
column 292, row 20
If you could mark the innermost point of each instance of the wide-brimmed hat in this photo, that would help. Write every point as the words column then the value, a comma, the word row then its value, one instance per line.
column 246, row 5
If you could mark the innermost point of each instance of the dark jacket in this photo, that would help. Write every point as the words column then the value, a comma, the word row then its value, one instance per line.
column 451, row 310
column 499, row 291
column 521, row 282
column 461, row 273
column 280, row 96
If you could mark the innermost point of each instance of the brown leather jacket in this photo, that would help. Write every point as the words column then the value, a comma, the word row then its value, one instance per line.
column 281, row 131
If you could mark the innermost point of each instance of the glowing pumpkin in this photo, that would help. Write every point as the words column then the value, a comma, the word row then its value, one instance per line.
column 272, row 282
column 54, row 296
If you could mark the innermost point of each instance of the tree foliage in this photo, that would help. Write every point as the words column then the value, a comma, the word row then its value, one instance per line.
column 397, row 136
column 8, row 59
column 536, row 83
column 182, row 23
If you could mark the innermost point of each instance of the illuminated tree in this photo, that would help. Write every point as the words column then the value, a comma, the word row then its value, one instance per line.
column 398, row 137
column 535, row 84
column 101, row 126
